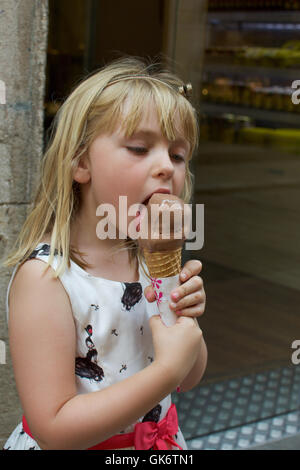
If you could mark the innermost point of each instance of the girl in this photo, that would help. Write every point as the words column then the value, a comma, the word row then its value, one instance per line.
column 75, row 297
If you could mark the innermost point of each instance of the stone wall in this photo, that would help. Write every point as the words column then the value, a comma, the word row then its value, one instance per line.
column 23, row 41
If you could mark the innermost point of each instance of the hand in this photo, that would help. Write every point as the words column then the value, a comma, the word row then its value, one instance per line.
column 191, row 295
column 176, row 347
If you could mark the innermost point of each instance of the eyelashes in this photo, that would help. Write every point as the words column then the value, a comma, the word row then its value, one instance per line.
column 144, row 150
column 138, row 150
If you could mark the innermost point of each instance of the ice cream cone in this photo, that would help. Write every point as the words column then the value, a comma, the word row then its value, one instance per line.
column 164, row 268
column 163, row 264
column 162, row 239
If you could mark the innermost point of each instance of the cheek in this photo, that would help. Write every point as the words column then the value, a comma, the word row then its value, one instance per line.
column 131, row 180
column 179, row 180
column 120, row 183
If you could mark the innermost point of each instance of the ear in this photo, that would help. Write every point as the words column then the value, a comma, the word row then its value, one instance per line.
column 81, row 173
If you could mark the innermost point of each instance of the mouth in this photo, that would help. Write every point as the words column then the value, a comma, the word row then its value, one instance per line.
column 140, row 213
column 157, row 191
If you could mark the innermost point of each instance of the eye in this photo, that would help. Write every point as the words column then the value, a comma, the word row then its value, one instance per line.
column 178, row 158
column 138, row 150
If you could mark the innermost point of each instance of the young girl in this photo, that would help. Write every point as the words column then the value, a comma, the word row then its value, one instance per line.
column 76, row 298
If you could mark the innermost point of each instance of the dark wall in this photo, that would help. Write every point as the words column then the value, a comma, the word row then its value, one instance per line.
column 85, row 34
column 132, row 27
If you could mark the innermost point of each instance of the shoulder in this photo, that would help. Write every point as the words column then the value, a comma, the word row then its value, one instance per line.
column 33, row 272
column 36, row 291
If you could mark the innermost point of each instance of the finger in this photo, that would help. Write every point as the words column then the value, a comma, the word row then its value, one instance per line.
column 192, row 267
column 149, row 293
column 194, row 311
column 185, row 319
column 192, row 285
column 190, row 300
column 154, row 321
column 154, row 318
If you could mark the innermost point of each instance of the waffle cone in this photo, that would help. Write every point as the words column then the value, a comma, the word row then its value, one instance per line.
column 163, row 264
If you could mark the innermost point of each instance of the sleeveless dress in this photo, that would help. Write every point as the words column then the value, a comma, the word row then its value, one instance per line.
column 113, row 337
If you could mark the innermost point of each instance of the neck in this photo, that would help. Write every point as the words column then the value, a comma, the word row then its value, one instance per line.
column 84, row 232
column 105, row 256
column 84, row 238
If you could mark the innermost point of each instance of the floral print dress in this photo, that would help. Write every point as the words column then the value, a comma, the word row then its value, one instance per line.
column 114, row 339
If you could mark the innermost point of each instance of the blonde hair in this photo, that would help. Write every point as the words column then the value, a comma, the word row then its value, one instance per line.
column 94, row 106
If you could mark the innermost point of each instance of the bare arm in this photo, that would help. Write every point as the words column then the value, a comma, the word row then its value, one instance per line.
column 43, row 338
column 197, row 371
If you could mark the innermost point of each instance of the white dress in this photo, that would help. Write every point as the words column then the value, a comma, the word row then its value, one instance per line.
column 114, row 338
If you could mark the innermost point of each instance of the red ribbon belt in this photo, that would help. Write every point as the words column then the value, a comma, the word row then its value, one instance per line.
column 147, row 435
column 150, row 435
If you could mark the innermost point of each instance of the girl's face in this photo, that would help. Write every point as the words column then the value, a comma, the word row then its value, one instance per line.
column 135, row 166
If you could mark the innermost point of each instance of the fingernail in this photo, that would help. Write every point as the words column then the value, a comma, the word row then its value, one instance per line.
column 175, row 295
column 178, row 312
column 183, row 275
column 172, row 305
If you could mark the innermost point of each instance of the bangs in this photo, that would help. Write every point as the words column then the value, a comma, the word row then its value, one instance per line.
column 126, row 103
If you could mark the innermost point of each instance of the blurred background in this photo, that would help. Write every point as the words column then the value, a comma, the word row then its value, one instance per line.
column 247, row 166
column 242, row 57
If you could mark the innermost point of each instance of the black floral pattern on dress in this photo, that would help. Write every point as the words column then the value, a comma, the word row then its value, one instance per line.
column 43, row 251
column 87, row 367
column 132, row 294
column 153, row 415
column 95, row 307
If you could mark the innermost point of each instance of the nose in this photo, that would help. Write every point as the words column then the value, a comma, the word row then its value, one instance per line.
column 163, row 166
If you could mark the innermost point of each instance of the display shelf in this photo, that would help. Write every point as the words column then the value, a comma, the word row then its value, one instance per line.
column 243, row 56
column 257, row 16
column 274, row 117
column 248, row 71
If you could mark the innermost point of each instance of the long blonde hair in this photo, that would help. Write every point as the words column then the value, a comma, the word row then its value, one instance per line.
column 91, row 108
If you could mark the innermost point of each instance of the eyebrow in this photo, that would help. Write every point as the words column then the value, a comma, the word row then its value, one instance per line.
column 152, row 134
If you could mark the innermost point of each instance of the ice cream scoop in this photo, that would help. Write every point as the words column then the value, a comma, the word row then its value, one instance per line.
column 162, row 225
